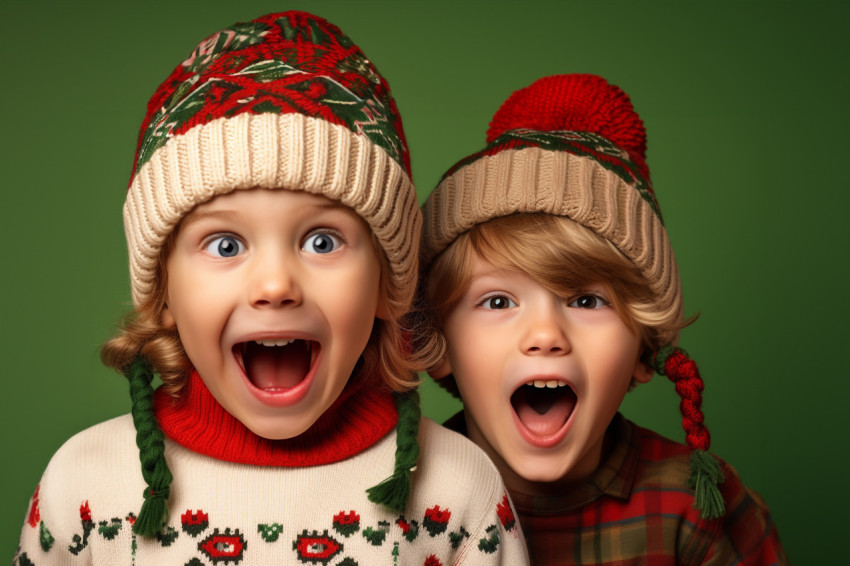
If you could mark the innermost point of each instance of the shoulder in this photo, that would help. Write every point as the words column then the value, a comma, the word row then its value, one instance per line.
column 745, row 533
column 665, row 462
column 456, row 484
column 444, row 449
column 96, row 468
column 96, row 447
column 95, row 451
column 453, row 467
column 660, row 458
column 97, row 437
column 99, row 462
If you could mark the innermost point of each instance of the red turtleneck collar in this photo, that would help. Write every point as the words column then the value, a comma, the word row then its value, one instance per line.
column 359, row 418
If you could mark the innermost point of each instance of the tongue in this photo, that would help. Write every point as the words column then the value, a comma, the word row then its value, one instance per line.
column 544, row 411
column 279, row 367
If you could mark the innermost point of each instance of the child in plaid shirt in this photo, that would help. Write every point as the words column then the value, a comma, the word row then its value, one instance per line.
column 550, row 290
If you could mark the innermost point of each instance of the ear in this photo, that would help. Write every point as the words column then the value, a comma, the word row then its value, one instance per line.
column 642, row 372
column 167, row 318
column 442, row 369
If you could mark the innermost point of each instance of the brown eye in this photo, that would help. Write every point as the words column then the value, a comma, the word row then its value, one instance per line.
column 589, row 302
column 497, row 302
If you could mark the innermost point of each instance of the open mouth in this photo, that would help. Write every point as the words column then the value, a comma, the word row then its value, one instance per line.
column 277, row 364
column 544, row 406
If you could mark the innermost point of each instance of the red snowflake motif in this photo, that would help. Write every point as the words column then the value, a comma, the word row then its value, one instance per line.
column 436, row 520
column 194, row 523
column 506, row 515
column 438, row 516
column 189, row 518
column 35, row 514
column 343, row 518
column 432, row 561
column 346, row 523
column 85, row 512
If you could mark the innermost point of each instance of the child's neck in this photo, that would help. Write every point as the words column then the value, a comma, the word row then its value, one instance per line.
column 363, row 414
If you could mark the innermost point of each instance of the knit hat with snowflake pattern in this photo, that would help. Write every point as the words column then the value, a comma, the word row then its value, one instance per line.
column 573, row 146
column 285, row 101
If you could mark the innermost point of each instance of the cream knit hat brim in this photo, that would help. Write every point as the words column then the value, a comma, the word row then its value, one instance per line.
column 272, row 151
column 536, row 180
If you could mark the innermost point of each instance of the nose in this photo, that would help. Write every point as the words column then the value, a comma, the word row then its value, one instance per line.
column 275, row 284
column 545, row 334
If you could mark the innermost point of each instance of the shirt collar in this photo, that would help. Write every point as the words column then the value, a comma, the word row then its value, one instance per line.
column 614, row 477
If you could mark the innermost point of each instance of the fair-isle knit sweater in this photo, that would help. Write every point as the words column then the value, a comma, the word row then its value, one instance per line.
column 259, row 509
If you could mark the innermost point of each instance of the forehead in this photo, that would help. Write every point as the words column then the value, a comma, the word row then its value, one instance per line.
column 273, row 204
column 252, row 197
column 479, row 266
column 554, row 265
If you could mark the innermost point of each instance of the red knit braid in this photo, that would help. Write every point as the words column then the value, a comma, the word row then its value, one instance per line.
column 706, row 473
column 684, row 373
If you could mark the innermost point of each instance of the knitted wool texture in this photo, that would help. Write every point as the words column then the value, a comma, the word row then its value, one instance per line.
column 285, row 101
column 568, row 145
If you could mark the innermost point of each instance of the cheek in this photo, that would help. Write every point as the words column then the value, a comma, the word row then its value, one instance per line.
column 193, row 307
column 350, row 304
column 474, row 351
column 616, row 365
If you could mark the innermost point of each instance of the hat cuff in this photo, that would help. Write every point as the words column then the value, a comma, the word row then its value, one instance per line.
column 271, row 151
column 535, row 180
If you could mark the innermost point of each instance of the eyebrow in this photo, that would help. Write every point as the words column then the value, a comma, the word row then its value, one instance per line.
column 496, row 271
column 197, row 216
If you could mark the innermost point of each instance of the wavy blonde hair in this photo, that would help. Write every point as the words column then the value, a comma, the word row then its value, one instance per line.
column 141, row 332
column 560, row 255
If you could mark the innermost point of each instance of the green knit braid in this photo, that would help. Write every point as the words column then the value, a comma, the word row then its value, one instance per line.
column 150, row 440
column 394, row 491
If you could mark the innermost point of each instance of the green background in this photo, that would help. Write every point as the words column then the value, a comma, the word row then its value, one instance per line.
column 746, row 107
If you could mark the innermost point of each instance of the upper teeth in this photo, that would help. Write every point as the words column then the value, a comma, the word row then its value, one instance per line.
column 282, row 342
column 550, row 383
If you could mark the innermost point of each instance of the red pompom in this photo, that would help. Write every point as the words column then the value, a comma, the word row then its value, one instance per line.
column 578, row 103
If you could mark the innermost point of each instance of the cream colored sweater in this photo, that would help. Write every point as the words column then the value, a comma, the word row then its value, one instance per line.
column 240, row 512
column 225, row 513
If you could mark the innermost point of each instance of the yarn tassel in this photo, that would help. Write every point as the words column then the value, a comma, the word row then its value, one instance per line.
column 706, row 474
column 704, row 479
column 394, row 491
column 151, row 442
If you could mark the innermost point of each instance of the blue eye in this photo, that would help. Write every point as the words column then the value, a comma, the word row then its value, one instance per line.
column 321, row 243
column 589, row 302
column 225, row 246
column 498, row 302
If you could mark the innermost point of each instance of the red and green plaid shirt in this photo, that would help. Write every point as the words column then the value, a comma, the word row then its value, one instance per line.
column 637, row 509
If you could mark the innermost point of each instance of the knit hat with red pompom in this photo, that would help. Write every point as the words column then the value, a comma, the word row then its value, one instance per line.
column 573, row 146
column 285, row 101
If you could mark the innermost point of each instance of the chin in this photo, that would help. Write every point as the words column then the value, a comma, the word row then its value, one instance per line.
column 277, row 430
column 538, row 476
column 541, row 471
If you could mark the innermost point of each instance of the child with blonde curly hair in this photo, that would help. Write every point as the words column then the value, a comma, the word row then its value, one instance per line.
column 272, row 229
